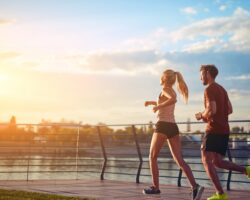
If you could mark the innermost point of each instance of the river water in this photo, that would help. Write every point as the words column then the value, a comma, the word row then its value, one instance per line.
column 125, row 169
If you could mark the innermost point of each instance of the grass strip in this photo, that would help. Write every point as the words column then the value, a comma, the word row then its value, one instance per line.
column 23, row 195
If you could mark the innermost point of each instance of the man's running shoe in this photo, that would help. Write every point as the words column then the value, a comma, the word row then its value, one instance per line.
column 248, row 172
column 217, row 196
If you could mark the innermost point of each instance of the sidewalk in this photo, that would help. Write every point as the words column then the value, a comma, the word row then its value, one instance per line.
column 107, row 189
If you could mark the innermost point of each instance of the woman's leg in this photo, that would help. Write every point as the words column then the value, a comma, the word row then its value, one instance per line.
column 157, row 142
column 175, row 148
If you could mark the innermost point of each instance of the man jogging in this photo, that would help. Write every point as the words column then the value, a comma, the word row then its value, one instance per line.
column 215, row 141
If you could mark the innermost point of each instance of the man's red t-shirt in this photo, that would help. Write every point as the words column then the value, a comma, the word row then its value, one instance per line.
column 218, row 124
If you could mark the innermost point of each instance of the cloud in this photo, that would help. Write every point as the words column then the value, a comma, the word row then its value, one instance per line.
column 123, row 62
column 206, row 10
column 196, row 97
column 8, row 55
column 223, row 7
column 189, row 10
column 6, row 21
column 239, row 94
column 233, row 31
column 155, row 40
column 215, row 27
column 241, row 77
column 101, row 62
column 219, row 34
column 131, row 63
column 219, row 40
column 204, row 46
column 154, row 62
column 137, row 62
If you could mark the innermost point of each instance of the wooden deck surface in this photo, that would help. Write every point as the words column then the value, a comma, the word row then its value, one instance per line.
column 109, row 189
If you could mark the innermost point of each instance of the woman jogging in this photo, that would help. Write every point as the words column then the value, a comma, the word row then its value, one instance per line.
column 167, row 129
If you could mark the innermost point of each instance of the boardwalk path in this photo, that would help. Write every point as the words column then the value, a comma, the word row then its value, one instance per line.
column 107, row 189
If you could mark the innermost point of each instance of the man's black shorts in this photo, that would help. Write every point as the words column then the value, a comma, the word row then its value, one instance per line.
column 215, row 143
column 167, row 128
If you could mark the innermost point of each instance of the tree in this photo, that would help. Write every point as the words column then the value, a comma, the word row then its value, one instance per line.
column 236, row 129
column 150, row 127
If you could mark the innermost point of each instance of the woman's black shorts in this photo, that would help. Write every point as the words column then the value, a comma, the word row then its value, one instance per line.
column 167, row 128
column 215, row 143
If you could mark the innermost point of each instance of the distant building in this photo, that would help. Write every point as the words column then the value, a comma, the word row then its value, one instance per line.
column 11, row 124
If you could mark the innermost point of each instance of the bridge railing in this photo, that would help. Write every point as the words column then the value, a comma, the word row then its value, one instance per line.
column 76, row 151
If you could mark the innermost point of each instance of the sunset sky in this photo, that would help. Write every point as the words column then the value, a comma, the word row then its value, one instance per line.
column 99, row 60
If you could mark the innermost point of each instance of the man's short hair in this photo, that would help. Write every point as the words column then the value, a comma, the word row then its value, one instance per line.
column 212, row 69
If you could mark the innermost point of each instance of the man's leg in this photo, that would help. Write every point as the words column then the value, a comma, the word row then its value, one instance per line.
column 224, row 164
column 207, row 159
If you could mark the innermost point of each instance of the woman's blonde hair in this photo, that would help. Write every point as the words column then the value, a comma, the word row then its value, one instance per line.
column 169, row 76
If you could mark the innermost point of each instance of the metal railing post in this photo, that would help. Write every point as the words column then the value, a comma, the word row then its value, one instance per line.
column 179, row 178
column 139, row 154
column 230, row 171
column 28, row 165
column 103, row 153
column 77, row 148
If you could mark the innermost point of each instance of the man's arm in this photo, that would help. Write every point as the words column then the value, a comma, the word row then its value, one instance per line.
column 210, row 107
column 208, row 112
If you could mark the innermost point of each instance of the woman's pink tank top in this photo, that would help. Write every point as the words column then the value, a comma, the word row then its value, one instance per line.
column 166, row 113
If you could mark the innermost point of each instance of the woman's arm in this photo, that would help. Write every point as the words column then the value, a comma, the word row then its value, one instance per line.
column 148, row 103
column 171, row 99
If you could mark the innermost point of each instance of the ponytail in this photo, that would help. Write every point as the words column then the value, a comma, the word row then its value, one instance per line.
column 182, row 86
